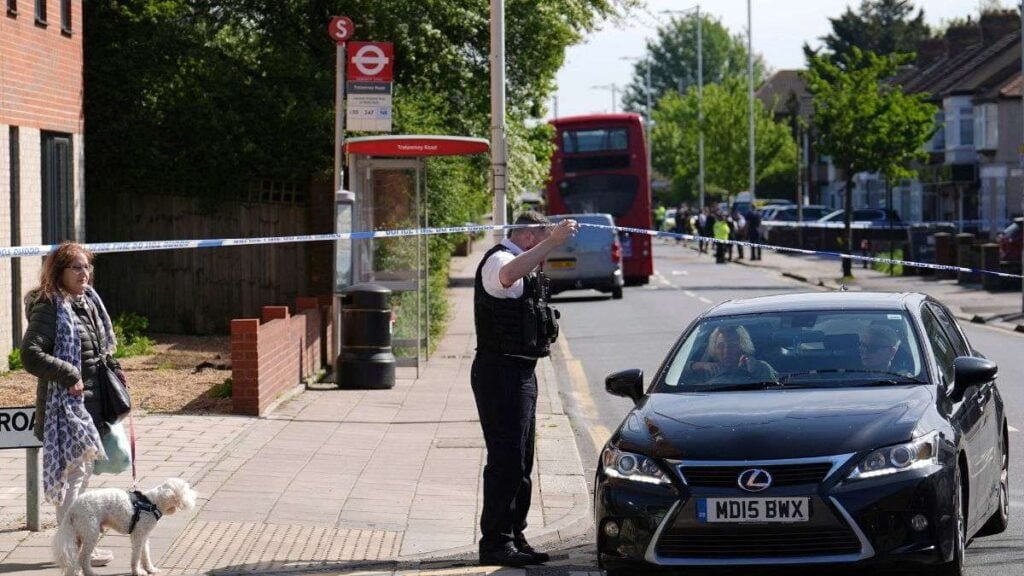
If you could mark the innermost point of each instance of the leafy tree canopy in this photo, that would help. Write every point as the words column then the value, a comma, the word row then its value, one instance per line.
column 726, row 152
column 866, row 123
column 880, row 26
column 202, row 97
column 673, row 58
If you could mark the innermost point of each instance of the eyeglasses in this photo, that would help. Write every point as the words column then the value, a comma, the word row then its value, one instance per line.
column 79, row 269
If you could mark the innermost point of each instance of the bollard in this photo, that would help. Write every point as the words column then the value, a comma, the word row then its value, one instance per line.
column 990, row 261
column 366, row 359
column 965, row 258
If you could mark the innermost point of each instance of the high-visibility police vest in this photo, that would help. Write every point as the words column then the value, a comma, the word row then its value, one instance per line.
column 721, row 230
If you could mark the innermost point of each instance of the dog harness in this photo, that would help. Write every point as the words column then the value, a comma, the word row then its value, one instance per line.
column 141, row 504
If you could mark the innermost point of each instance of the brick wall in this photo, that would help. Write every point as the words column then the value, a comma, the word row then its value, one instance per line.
column 272, row 354
column 41, row 69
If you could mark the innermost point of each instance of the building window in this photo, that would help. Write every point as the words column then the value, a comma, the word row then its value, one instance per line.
column 65, row 16
column 986, row 126
column 967, row 126
column 12, row 7
column 14, row 151
column 939, row 139
column 41, row 12
column 58, row 212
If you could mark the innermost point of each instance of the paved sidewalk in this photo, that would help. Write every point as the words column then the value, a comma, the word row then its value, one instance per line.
column 333, row 481
column 969, row 302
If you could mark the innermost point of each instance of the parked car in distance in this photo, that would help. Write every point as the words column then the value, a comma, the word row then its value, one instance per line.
column 1010, row 242
column 768, row 212
column 865, row 216
column 590, row 260
column 844, row 428
column 790, row 213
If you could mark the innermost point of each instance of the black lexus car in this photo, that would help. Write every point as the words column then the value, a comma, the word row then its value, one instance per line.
column 836, row 428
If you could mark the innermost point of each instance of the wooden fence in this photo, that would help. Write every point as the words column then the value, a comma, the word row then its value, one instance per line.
column 199, row 291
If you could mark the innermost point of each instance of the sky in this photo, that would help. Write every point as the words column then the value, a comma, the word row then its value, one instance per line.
column 780, row 28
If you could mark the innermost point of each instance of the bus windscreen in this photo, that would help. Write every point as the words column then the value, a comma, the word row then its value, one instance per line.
column 594, row 140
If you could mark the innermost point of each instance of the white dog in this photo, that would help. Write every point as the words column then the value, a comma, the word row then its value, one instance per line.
column 125, row 512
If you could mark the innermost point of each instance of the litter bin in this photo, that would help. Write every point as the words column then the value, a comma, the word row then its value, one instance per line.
column 366, row 360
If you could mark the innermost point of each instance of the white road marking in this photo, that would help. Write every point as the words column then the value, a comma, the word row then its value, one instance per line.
column 680, row 273
column 704, row 300
column 689, row 293
column 1012, row 429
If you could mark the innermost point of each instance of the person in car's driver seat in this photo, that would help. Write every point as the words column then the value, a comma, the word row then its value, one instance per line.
column 731, row 350
column 878, row 347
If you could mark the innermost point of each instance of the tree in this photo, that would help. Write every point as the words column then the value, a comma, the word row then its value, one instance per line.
column 880, row 26
column 866, row 124
column 675, row 141
column 673, row 57
column 202, row 97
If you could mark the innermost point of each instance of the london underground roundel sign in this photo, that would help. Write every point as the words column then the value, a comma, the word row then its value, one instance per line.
column 370, row 62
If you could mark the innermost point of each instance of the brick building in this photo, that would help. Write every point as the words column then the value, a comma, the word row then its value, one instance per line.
column 42, row 181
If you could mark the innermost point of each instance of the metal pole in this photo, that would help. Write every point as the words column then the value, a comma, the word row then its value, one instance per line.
column 700, row 102
column 339, row 116
column 32, row 489
column 1021, row 152
column 615, row 97
column 750, row 83
column 499, row 155
column 650, row 122
column 556, row 106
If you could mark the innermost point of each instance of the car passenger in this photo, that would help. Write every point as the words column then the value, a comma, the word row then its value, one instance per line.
column 730, row 350
column 878, row 347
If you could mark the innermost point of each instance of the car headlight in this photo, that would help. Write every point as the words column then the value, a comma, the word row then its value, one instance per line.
column 630, row 466
column 919, row 453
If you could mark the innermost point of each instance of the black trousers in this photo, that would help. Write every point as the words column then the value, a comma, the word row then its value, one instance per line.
column 505, row 389
column 755, row 251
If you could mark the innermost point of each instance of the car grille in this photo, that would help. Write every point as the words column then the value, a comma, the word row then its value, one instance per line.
column 737, row 542
column 782, row 474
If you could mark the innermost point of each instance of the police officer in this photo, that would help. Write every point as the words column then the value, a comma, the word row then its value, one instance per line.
column 514, row 327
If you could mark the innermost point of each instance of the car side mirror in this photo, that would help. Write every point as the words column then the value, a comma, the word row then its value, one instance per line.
column 628, row 383
column 970, row 371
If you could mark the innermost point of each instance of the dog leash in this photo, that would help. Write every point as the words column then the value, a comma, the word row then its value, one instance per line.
column 131, row 430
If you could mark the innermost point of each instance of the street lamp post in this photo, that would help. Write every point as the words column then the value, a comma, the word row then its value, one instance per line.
column 615, row 92
column 750, row 98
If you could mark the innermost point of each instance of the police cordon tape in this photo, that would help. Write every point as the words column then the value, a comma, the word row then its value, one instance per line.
column 153, row 245
column 677, row 235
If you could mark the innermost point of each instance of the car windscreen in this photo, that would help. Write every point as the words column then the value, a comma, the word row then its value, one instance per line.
column 799, row 349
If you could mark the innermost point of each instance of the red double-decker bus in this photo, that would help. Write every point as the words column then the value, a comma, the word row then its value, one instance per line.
column 600, row 165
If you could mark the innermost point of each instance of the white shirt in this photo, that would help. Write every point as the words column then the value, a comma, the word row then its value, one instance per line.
column 492, row 267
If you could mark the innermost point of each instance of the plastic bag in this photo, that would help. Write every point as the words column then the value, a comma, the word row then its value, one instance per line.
column 118, row 449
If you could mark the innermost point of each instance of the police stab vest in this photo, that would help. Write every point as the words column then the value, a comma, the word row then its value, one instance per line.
column 524, row 326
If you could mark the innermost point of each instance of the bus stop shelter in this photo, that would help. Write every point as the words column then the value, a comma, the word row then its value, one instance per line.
column 389, row 191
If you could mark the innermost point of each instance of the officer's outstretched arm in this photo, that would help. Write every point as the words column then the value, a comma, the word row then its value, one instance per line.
column 521, row 265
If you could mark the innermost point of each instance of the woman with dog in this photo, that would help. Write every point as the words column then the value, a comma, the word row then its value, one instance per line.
column 69, row 333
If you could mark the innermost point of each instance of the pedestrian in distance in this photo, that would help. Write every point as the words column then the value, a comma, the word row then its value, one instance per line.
column 739, row 231
column 69, row 332
column 514, row 327
column 754, row 233
column 720, row 230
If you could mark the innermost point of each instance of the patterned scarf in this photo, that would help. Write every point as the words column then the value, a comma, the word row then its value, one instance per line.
column 69, row 435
